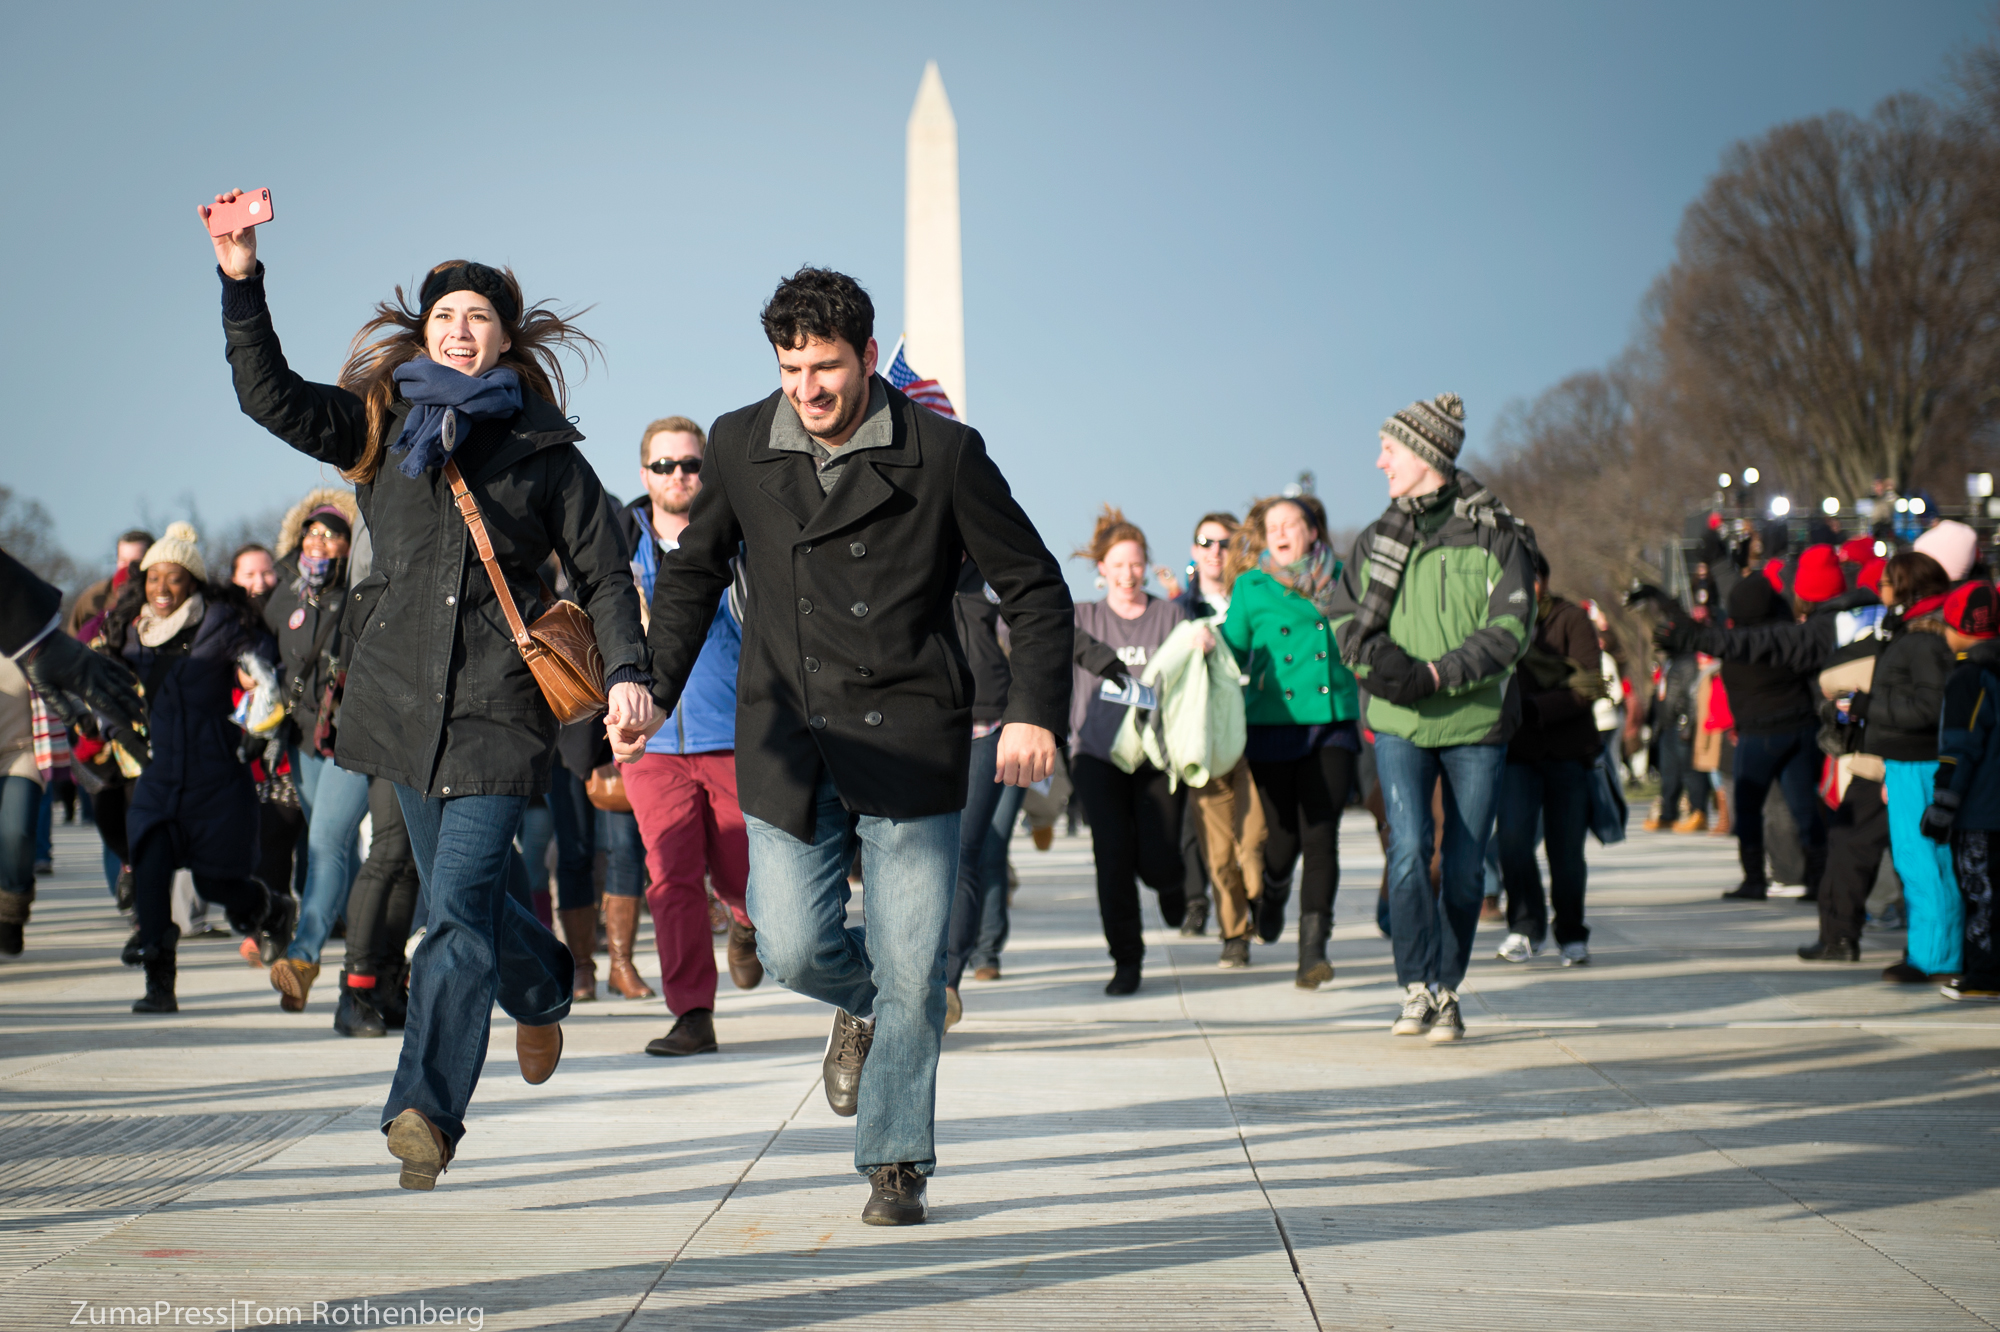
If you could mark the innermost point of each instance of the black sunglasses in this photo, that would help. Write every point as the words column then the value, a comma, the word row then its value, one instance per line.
column 666, row 466
column 1206, row 542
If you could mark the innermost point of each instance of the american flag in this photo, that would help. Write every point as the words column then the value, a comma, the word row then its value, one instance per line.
column 922, row 391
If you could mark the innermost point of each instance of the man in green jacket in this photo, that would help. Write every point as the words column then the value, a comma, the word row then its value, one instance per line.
column 1434, row 608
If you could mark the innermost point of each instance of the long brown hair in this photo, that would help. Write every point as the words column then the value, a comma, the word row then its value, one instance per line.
column 1112, row 527
column 396, row 334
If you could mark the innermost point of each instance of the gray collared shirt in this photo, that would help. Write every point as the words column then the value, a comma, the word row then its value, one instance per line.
column 877, row 431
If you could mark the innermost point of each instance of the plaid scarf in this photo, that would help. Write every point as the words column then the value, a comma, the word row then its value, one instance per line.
column 1393, row 540
column 51, row 737
column 1314, row 575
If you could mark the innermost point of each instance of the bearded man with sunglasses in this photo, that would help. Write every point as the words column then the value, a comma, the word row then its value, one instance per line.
column 683, row 790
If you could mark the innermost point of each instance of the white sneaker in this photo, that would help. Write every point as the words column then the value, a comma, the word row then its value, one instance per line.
column 1419, row 1012
column 1576, row 954
column 1517, row 948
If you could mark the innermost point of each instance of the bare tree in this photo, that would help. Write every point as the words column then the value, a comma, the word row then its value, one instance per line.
column 1831, row 313
column 27, row 534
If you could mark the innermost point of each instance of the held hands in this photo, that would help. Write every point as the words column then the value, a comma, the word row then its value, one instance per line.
column 1027, row 754
column 235, row 251
column 630, row 720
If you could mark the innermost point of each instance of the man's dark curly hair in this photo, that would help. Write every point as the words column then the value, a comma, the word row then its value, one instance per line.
column 818, row 303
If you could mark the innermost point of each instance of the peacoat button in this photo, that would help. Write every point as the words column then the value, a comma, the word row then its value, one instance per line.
column 1284, row 631
column 440, row 698
column 1319, row 656
column 1322, row 689
column 1288, row 659
column 818, row 723
column 805, row 607
column 445, row 791
column 357, row 596
column 873, row 719
column 863, row 671
column 857, row 550
column 860, row 608
column 812, row 663
column 1319, row 625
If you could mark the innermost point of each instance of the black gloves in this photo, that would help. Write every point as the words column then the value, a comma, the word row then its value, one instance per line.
column 1942, row 813
column 1395, row 676
column 75, row 681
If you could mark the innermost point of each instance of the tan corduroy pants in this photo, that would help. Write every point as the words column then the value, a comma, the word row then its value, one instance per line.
column 1232, row 836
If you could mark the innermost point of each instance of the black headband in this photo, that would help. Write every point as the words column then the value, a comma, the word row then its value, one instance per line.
column 488, row 282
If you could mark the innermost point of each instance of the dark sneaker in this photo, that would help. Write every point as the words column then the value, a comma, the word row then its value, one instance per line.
column 1840, row 950
column 1959, row 992
column 1313, row 973
column 1195, row 923
column 1748, row 892
column 1419, row 1011
column 356, row 1015
column 1447, row 1025
column 1124, row 979
column 1235, row 952
column 846, row 1050
column 1902, row 973
column 693, row 1034
column 897, row 1197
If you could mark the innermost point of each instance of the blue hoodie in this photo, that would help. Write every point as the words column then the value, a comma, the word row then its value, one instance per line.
column 704, row 721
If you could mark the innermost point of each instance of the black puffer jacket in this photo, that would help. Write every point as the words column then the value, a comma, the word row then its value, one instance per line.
column 1775, row 698
column 1903, row 704
column 438, row 698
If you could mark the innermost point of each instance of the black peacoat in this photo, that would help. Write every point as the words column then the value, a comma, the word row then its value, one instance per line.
column 437, row 697
column 851, row 664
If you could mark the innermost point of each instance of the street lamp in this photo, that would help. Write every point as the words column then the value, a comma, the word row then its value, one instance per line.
column 1780, row 507
column 1751, row 476
column 1829, row 506
column 1917, row 506
column 1723, row 480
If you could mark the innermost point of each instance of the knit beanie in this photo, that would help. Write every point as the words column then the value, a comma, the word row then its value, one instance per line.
column 1953, row 545
column 1857, row 550
column 1870, row 576
column 1755, row 601
column 1434, row 430
column 1818, row 577
column 179, row 546
column 1974, row 610
column 335, row 521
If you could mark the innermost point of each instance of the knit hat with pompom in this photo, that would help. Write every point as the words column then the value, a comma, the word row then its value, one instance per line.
column 1434, row 430
column 182, row 546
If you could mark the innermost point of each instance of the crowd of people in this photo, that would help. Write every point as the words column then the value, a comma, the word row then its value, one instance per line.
column 825, row 647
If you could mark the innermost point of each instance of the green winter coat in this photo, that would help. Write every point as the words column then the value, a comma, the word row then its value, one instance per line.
column 1466, row 605
column 1286, row 647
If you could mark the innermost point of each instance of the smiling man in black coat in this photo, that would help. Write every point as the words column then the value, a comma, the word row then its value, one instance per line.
column 854, row 507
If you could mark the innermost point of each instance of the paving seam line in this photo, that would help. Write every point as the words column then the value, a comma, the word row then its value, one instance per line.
column 727, row 1194
column 1249, row 1159
column 327, row 1117
column 1774, row 1186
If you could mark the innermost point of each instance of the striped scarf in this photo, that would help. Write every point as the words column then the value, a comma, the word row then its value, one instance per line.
column 1393, row 540
column 51, row 738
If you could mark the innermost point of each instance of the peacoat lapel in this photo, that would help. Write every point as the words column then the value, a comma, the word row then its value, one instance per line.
column 862, row 488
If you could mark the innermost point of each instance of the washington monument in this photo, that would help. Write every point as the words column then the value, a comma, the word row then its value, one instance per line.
column 933, row 292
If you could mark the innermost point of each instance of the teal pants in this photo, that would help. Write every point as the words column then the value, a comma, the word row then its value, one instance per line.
column 1930, row 888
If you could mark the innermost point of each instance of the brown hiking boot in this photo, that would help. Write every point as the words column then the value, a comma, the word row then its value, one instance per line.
column 744, row 968
column 538, row 1050
column 621, row 928
column 293, row 979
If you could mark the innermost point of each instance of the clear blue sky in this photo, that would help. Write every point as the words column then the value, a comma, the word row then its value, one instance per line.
column 1205, row 246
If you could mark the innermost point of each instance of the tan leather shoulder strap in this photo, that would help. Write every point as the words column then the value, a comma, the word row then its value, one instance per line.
column 468, row 509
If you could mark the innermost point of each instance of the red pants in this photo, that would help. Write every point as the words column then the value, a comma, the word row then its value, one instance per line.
column 691, row 824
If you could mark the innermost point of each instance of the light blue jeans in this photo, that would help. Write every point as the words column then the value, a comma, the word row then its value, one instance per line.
column 334, row 801
column 891, row 968
column 1931, row 901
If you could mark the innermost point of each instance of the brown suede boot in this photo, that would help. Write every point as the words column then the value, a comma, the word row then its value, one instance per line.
column 538, row 1050
column 579, row 927
column 621, row 927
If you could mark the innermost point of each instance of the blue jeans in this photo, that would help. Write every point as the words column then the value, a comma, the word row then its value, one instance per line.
column 1554, row 796
column 20, row 810
column 892, row 968
column 1792, row 762
column 979, row 907
column 45, row 823
column 1432, row 936
column 482, row 943
column 624, row 853
column 334, row 801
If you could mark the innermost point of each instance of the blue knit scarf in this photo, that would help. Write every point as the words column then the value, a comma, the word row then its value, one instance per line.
column 439, row 396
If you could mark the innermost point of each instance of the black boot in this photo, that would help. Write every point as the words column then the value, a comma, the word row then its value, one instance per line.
column 1195, row 923
column 133, row 953
column 158, row 961
column 356, row 1015
column 274, row 932
column 1271, row 907
column 1314, row 969
column 392, row 994
column 13, row 916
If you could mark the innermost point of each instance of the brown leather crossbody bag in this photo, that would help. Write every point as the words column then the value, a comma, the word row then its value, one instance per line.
column 560, row 647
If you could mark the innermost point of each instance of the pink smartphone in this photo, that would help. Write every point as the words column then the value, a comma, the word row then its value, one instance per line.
column 252, row 208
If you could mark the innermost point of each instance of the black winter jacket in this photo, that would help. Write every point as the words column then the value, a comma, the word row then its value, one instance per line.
column 977, row 619
column 437, row 697
column 850, row 662
column 1557, row 723
column 27, row 604
column 297, row 623
column 1903, row 704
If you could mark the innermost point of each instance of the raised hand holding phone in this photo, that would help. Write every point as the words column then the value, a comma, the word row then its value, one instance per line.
column 235, row 251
